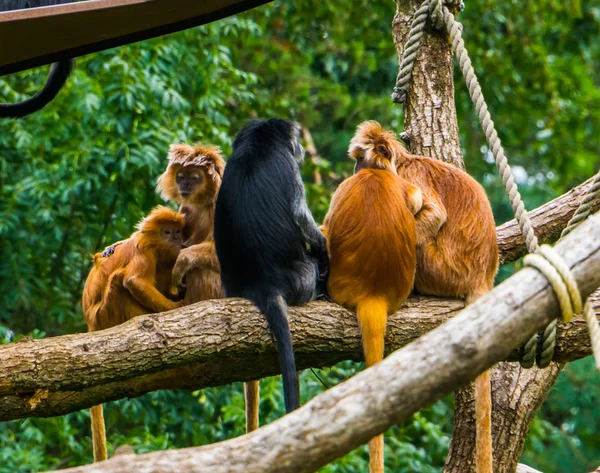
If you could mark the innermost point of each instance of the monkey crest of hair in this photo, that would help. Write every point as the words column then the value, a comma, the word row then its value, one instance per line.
column 262, row 229
column 158, row 218
column 375, row 148
column 205, row 157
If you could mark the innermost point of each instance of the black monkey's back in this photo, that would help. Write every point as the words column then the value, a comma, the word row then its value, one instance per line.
column 254, row 212
column 261, row 249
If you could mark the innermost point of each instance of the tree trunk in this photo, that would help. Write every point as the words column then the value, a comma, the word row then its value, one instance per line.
column 430, row 125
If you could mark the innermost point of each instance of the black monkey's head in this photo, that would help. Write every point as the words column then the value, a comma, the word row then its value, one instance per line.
column 274, row 134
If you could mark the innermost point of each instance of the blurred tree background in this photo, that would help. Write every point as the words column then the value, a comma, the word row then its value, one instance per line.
column 78, row 176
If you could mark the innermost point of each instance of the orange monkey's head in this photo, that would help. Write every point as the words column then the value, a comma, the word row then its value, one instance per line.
column 372, row 147
column 161, row 229
column 193, row 175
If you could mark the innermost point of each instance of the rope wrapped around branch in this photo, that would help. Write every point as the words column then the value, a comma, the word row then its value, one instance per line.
column 540, row 348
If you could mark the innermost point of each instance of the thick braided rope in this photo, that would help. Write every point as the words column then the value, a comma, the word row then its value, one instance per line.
column 410, row 52
column 454, row 30
column 582, row 212
column 585, row 207
column 589, row 314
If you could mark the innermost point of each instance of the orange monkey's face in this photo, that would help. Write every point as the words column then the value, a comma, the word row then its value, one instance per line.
column 171, row 239
column 189, row 180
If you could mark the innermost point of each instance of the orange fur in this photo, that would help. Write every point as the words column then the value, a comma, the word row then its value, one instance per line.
column 252, row 397
column 371, row 238
column 198, row 263
column 134, row 280
column 457, row 253
column 208, row 159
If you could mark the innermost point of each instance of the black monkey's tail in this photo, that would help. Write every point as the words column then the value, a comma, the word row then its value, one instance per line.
column 275, row 309
column 59, row 72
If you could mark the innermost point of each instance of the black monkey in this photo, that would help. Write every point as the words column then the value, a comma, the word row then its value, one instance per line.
column 262, row 229
column 58, row 75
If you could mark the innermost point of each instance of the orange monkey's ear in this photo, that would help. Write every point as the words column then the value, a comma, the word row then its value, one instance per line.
column 375, row 145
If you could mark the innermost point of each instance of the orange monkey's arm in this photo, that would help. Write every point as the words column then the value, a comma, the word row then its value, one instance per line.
column 430, row 218
column 139, row 281
column 201, row 255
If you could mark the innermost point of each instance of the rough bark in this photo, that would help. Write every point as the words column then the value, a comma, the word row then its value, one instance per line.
column 223, row 342
column 430, row 125
column 386, row 394
column 517, row 394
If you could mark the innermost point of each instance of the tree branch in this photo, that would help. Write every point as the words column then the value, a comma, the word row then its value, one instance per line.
column 207, row 344
column 389, row 392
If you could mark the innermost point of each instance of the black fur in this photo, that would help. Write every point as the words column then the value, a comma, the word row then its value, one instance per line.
column 263, row 229
column 58, row 75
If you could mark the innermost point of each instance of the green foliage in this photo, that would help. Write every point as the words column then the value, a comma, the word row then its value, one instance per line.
column 81, row 173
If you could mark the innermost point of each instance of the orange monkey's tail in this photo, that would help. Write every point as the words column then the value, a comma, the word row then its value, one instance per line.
column 98, row 433
column 372, row 318
column 483, row 421
column 483, row 411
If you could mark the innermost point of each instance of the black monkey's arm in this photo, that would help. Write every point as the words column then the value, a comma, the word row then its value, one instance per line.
column 306, row 223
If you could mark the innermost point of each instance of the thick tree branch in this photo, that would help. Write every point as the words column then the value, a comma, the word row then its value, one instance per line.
column 207, row 344
column 386, row 394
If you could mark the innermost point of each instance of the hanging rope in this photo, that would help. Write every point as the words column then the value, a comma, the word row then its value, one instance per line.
column 411, row 49
column 544, row 259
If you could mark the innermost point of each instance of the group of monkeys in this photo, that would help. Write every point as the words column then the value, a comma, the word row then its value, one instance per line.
column 401, row 223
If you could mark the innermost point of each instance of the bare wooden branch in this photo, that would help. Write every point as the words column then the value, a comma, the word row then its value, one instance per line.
column 386, row 394
column 208, row 344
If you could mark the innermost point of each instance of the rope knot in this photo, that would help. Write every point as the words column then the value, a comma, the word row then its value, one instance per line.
column 554, row 268
column 399, row 95
column 557, row 272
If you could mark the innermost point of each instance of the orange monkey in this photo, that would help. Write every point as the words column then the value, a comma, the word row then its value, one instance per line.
column 132, row 280
column 192, row 180
column 371, row 237
column 457, row 253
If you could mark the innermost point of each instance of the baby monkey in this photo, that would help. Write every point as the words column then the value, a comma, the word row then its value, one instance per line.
column 132, row 279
